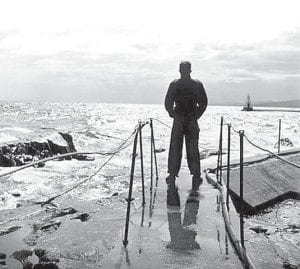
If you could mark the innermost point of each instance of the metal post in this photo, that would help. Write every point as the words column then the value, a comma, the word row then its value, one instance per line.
column 242, row 229
column 151, row 174
column 219, row 153
column 241, row 133
column 142, row 162
column 143, row 215
column 151, row 161
column 279, row 135
column 154, row 153
column 228, row 163
column 219, row 168
column 226, row 246
column 125, row 241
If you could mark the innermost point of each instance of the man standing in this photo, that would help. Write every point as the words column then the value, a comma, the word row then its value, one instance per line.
column 185, row 102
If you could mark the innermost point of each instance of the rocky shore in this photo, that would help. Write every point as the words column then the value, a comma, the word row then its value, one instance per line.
column 21, row 153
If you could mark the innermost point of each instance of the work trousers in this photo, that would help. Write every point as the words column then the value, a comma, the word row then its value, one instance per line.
column 184, row 127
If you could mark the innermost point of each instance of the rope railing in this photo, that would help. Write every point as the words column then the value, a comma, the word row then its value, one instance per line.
column 259, row 147
column 153, row 162
column 120, row 148
column 270, row 152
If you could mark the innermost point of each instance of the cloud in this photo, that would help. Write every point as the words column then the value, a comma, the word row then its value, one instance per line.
column 8, row 33
column 137, row 70
column 266, row 59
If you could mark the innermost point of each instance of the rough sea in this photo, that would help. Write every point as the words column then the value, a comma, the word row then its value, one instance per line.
column 103, row 127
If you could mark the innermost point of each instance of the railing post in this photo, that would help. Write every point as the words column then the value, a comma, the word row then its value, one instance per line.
column 125, row 241
column 142, row 162
column 241, row 133
column 279, row 135
column 151, row 159
column 228, row 162
column 154, row 152
column 220, row 161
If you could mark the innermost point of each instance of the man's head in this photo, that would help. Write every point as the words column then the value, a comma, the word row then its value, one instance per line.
column 185, row 69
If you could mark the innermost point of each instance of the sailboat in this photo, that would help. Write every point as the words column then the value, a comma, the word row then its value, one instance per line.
column 248, row 106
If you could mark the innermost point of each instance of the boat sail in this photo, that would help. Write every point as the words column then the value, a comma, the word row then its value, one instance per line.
column 248, row 106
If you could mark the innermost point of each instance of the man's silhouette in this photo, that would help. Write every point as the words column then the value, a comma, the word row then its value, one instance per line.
column 185, row 101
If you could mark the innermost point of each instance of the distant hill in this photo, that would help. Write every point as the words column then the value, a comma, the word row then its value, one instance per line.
column 287, row 103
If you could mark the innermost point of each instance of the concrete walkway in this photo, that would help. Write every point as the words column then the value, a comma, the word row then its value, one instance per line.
column 186, row 235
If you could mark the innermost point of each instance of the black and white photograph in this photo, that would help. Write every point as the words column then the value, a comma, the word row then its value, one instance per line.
column 139, row 134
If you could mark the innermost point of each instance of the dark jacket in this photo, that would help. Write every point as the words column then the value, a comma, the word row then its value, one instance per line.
column 186, row 97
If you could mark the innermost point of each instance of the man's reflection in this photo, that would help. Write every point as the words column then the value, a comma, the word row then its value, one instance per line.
column 182, row 237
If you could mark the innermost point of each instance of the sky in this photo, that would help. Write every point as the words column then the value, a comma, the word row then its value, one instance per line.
column 129, row 51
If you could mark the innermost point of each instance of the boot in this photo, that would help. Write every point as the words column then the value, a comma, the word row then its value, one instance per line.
column 197, row 181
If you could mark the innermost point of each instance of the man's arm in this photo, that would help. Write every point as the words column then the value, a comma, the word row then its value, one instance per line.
column 202, row 100
column 169, row 99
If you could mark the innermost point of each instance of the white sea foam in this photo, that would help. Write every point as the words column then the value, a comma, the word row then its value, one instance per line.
column 16, row 129
column 6, row 137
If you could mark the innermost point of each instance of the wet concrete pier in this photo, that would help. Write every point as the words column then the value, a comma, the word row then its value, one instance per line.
column 188, row 232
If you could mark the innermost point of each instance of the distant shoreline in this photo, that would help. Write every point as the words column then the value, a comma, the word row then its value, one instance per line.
column 276, row 110
column 289, row 104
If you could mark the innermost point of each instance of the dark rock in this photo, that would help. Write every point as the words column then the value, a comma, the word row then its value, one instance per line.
column 81, row 157
column 46, row 266
column 41, row 165
column 46, row 225
column 20, row 149
column 22, row 153
column 284, row 142
column 2, row 263
column 49, row 225
column 259, row 229
column 69, row 140
column 83, row 217
column 27, row 265
column 6, row 150
column 59, row 149
column 160, row 150
column 63, row 212
column 7, row 160
column 39, row 252
column 9, row 230
column 2, row 256
column 16, row 194
column 287, row 265
column 27, row 158
column 19, row 160
column 21, row 255
column 45, row 154
column 115, row 194
column 45, row 256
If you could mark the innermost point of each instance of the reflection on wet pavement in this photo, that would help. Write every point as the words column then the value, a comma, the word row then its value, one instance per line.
column 182, row 236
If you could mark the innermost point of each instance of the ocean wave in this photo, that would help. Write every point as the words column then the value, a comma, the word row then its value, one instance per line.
column 17, row 129
column 6, row 138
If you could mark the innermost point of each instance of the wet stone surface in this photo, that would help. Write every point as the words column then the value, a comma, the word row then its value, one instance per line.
column 274, row 235
column 62, row 236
